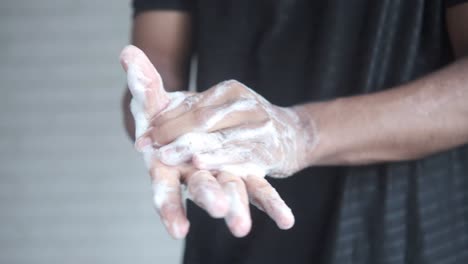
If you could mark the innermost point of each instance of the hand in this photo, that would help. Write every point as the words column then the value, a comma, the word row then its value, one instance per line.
column 230, row 128
column 222, row 193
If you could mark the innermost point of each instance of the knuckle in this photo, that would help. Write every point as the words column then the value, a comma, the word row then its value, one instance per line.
column 226, row 178
column 230, row 88
column 236, row 86
column 231, row 83
column 264, row 186
column 258, row 183
column 247, row 103
column 190, row 101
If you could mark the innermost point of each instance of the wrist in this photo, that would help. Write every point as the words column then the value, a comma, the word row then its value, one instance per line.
column 315, row 121
column 306, row 136
column 340, row 132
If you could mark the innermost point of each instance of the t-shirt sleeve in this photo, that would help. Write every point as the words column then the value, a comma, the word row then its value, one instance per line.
column 145, row 5
column 450, row 3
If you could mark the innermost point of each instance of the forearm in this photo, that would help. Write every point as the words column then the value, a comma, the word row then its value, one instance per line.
column 165, row 37
column 407, row 122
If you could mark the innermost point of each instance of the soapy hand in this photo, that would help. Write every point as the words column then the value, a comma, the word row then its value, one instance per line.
column 229, row 128
column 220, row 144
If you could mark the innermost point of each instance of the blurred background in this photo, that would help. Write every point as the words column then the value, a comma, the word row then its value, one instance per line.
column 72, row 190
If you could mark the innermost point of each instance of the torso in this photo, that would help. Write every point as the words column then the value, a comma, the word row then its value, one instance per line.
column 298, row 51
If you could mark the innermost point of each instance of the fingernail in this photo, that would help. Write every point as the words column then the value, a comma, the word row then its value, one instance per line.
column 143, row 143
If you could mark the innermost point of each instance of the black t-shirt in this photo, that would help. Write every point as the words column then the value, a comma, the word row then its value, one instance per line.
column 299, row 51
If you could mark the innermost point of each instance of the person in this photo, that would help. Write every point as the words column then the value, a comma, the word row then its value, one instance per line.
column 357, row 110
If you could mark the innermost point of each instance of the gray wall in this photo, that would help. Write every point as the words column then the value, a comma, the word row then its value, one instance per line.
column 72, row 190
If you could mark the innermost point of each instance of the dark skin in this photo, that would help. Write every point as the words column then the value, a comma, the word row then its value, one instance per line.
column 347, row 126
column 457, row 26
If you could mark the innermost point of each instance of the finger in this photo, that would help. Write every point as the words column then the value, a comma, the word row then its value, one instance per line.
column 182, row 149
column 207, row 119
column 267, row 199
column 210, row 98
column 238, row 218
column 239, row 160
column 167, row 198
column 217, row 95
column 226, row 91
column 217, row 158
column 206, row 192
column 142, row 142
column 226, row 146
column 189, row 101
column 144, row 81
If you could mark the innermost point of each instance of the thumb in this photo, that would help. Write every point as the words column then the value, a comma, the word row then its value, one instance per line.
column 144, row 81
